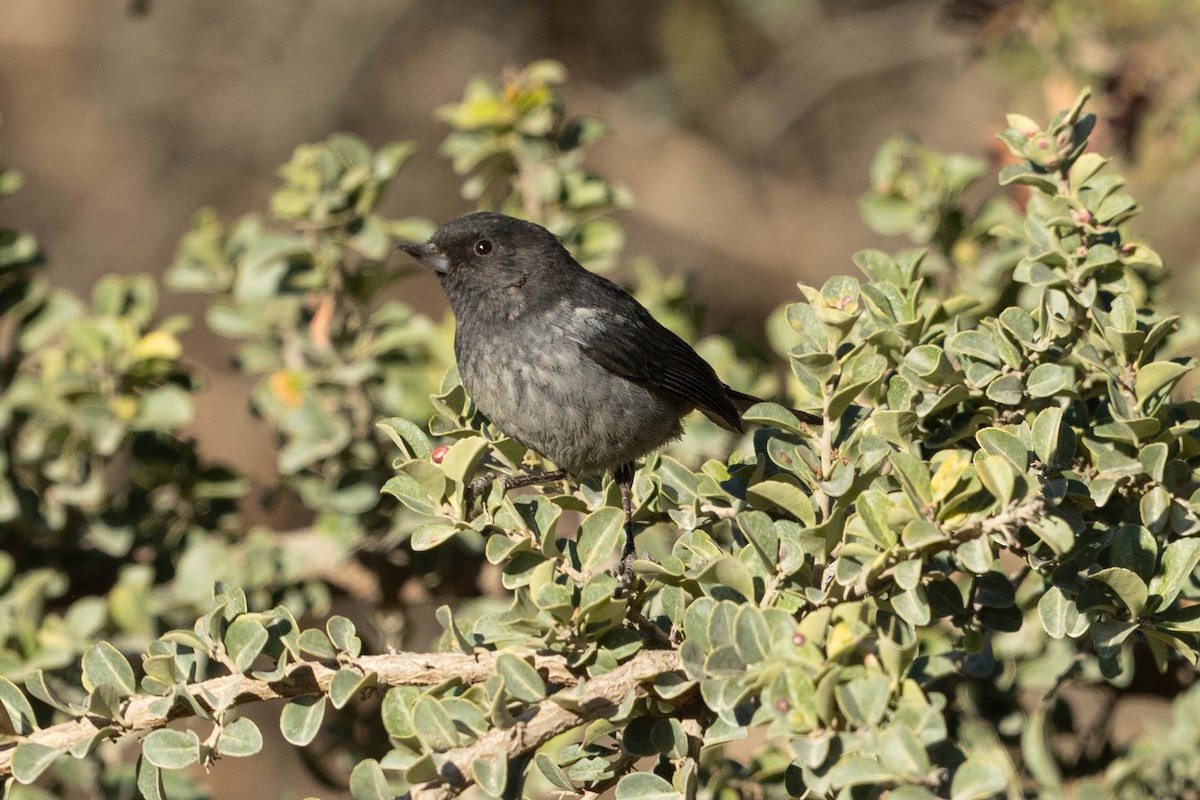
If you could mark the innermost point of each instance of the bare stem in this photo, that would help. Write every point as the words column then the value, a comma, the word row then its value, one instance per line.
column 601, row 698
column 303, row 678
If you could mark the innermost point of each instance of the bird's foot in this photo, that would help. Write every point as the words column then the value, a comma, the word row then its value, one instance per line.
column 623, row 572
column 477, row 488
column 480, row 486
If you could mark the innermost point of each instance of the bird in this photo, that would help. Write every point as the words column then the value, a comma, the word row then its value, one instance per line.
column 563, row 360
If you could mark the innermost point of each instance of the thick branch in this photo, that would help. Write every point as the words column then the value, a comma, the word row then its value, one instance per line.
column 303, row 678
column 600, row 699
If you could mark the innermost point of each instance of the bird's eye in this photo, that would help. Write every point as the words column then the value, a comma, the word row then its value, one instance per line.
column 483, row 247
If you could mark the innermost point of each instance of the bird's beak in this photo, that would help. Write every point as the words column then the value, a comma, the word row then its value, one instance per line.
column 429, row 255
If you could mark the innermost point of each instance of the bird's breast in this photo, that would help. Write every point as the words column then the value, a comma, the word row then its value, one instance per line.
column 533, row 380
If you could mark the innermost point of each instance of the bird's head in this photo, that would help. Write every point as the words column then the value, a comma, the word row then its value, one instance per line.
column 495, row 263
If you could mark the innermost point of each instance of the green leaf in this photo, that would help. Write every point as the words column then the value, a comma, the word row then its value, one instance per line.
column 997, row 476
column 464, row 456
column 407, row 436
column 919, row 533
column 912, row 606
column 773, row 415
column 1060, row 615
column 1127, row 586
column 346, row 683
column 1179, row 560
column 907, row 574
column 858, row 771
column 342, row 635
column 910, row 793
column 976, row 555
column 914, row 477
column 1037, row 752
column 434, row 725
column 167, row 748
column 1055, row 532
column 407, row 490
column 645, row 786
column 445, row 618
column 1108, row 634
column 760, row 531
column 783, row 495
column 240, row 738
column 863, row 701
column 432, row 534
column 976, row 344
column 166, row 408
column 977, row 779
column 520, row 679
column 491, row 774
column 31, row 759
column 599, row 535
column 1007, row 390
column 149, row 780
column 553, row 773
column 1134, row 547
column 1153, row 458
column 21, row 719
column 367, row 782
column 1002, row 443
column 1046, row 436
column 316, row 643
column 750, row 634
column 901, row 752
column 727, row 578
column 1160, row 376
column 1047, row 380
column 244, row 640
column 103, row 664
column 669, row 738
column 35, row 684
column 396, row 712
column 301, row 719
column 1155, row 508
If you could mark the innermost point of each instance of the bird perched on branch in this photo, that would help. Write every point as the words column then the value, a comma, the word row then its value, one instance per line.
column 564, row 360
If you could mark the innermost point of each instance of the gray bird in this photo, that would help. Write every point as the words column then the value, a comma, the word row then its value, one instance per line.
column 564, row 360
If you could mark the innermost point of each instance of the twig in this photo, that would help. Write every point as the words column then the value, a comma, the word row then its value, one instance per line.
column 1006, row 522
column 602, row 697
column 303, row 678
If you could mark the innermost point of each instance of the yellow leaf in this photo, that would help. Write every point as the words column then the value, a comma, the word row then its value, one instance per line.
column 157, row 344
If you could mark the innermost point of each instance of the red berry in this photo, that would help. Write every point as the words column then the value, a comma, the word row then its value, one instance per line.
column 439, row 453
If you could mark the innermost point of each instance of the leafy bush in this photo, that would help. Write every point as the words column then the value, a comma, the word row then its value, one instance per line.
column 1002, row 500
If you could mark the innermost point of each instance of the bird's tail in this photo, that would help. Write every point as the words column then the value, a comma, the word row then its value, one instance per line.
column 742, row 402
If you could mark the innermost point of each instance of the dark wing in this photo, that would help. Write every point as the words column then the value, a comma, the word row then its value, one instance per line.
column 617, row 333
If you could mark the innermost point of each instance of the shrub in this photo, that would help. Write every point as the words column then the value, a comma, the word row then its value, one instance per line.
column 1001, row 501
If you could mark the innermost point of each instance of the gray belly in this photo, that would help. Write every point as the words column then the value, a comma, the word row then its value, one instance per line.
column 558, row 402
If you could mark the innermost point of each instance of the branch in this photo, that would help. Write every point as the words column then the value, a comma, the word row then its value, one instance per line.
column 602, row 697
column 303, row 678
column 1008, row 522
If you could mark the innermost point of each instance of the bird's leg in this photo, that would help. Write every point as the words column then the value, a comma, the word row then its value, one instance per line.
column 480, row 485
column 624, row 478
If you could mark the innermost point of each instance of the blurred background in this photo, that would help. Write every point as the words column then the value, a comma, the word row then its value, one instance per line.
column 744, row 129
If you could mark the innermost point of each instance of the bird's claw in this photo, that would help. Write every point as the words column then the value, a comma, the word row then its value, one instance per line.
column 623, row 572
column 480, row 485
column 476, row 489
